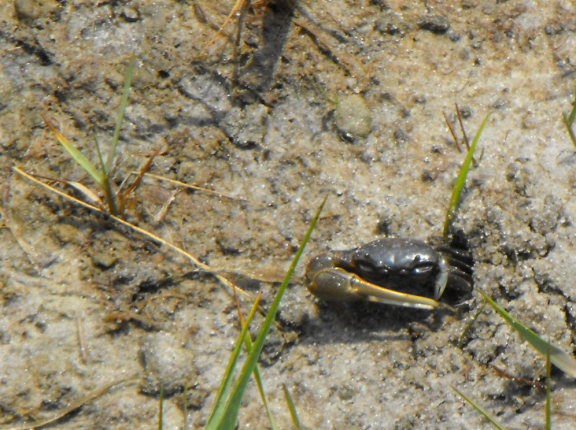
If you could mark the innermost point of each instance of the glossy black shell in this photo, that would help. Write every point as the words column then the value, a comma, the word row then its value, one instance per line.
column 406, row 265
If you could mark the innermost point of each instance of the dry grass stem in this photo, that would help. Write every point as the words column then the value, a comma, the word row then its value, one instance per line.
column 217, row 273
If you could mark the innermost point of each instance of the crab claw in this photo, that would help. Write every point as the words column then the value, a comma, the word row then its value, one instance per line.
column 336, row 284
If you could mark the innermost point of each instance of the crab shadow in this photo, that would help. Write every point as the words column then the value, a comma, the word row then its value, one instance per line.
column 364, row 321
column 258, row 71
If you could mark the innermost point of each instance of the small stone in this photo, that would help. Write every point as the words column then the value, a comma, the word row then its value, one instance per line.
column 168, row 364
column 353, row 117
column 437, row 24
column 104, row 260
column 130, row 14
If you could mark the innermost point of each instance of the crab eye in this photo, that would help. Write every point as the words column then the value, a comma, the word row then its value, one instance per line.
column 423, row 268
column 365, row 267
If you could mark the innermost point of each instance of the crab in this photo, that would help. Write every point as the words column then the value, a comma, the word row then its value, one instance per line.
column 394, row 271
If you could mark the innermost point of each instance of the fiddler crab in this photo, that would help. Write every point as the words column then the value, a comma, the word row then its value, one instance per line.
column 395, row 271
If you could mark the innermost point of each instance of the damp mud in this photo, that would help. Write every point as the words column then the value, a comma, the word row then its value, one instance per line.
column 344, row 100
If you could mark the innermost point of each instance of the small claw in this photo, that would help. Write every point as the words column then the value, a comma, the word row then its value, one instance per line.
column 442, row 280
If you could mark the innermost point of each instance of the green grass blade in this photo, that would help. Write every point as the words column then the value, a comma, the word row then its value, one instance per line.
column 120, row 115
column 568, row 123
column 100, row 157
column 572, row 115
column 559, row 358
column 291, row 408
column 548, row 407
column 227, row 379
column 479, row 408
column 185, row 407
column 461, row 180
column 248, row 345
column 568, row 120
column 86, row 164
column 227, row 421
column 106, row 185
column 161, row 409
column 262, row 393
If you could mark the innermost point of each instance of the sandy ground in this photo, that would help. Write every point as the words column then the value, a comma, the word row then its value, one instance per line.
column 343, row 99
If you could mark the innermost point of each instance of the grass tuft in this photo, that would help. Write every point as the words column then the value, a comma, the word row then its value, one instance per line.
column 102, row 173
column 226, row 384
column 461, row 181
column 225, row 412
column 248, row 346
